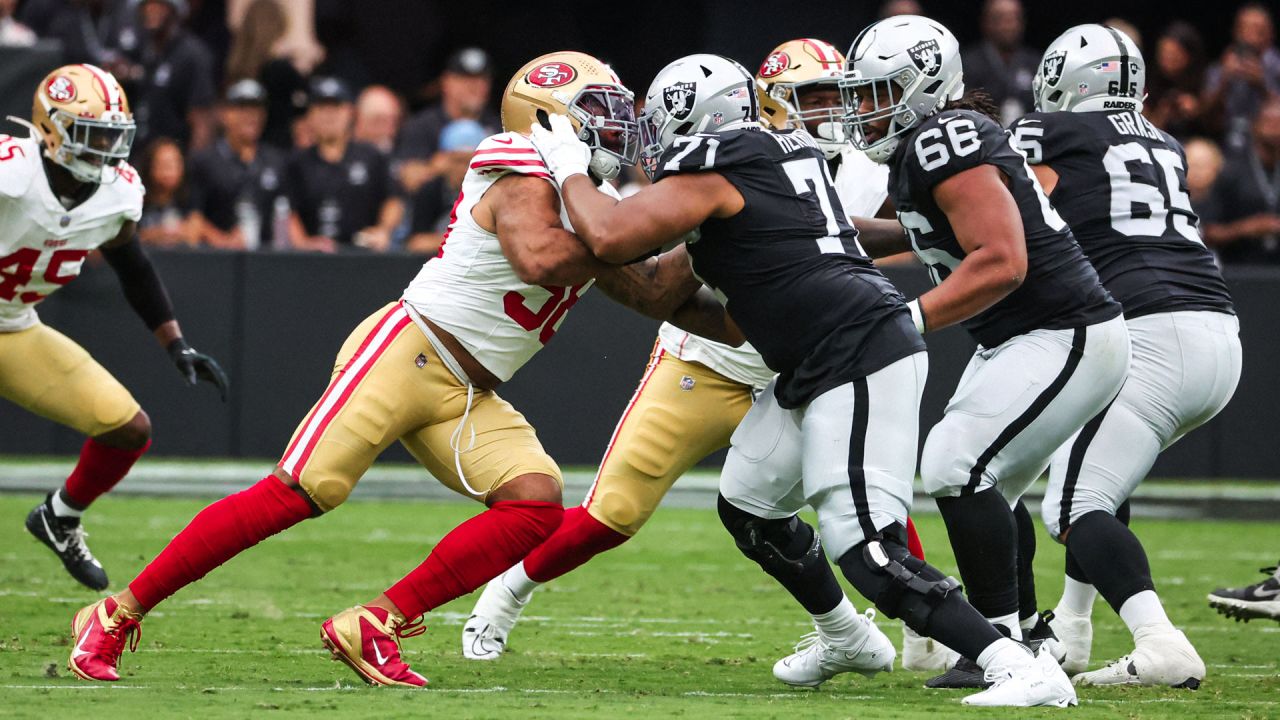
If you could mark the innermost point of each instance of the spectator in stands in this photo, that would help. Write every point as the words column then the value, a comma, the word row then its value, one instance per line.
column 259, row 52
column 12, row 32
column 340, row 190
column 1249, row 70
column 89, row 31
column 237, row 196
column 464, row 94
column 1001, row 65
column 165, row 221
column 1174, row 81
column 173, row 93
column 893, row 8
column 432, row 205
column 1242, row 219
column 379, row 113
column 1204, row 163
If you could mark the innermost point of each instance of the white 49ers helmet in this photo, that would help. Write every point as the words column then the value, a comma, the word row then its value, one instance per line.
column 601, row 109
column 1088, row 68
column 799, row 88
column 695, row 94
column 83, row 119
column 901, row 70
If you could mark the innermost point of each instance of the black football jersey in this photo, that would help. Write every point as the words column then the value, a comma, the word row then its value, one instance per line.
column 1061, row 289
column 1122, row 186
column 788, row 266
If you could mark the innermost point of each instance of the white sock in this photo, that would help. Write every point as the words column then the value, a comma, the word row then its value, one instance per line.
column 1078, row 597
column 518, row 583
column 1028, row 623
column 839, row 624
column 1009, row 621
column 1004, row 653
column 62, row 509
column 1143, row 609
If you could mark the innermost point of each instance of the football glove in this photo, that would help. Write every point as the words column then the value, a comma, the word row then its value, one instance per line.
column 562, row 151
column 195, row 366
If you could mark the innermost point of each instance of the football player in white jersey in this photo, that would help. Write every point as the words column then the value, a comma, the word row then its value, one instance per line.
column 65, row 191
column 694, row 392
column 423, row 369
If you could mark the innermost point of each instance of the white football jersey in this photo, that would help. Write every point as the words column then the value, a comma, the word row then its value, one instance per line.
column 42, row 244
column 470, row 288
column 862, row 186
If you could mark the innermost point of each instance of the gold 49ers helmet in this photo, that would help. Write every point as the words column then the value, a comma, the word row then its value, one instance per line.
column 797, row 85
column 571, row 83
column 82, row 115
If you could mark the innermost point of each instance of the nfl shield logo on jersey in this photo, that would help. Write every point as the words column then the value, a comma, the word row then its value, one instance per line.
column 686, row 383
column 679, row 99
column 927, row 56
column 1052, row 68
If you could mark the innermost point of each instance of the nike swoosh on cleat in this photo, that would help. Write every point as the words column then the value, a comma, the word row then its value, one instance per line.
column 1267, row 593
column 61, row 546
column 79, row 650
column 378, row 654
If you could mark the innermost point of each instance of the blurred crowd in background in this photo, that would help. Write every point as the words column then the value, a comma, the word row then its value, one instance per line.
column 253, row 135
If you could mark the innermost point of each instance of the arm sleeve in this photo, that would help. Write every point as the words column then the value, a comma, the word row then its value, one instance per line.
column 142, row 286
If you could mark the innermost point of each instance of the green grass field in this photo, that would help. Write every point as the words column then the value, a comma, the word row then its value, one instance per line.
column 674, row 624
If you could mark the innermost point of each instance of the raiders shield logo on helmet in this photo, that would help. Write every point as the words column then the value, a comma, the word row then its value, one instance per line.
column 678, row 99
column 927, row 57
column 1052, row 68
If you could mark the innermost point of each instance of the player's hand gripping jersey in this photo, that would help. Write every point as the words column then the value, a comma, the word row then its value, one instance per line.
column 780, row 262
column 470, row 288
column 43, row 245
column 1061, row 290
column 1122, row 183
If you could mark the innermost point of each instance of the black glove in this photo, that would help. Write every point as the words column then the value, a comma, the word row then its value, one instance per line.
column 195, row 365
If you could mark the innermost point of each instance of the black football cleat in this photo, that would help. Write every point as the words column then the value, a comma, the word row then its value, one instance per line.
column 966, row 675
column 1259, row 600
column 1041, row 638
column 65, row 538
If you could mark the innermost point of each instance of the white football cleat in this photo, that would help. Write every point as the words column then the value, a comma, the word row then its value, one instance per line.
column 1075, row 632
column 1037, row 683
column 815, row 661
column 484, row 636
column 920, row 653
column 1163, row 656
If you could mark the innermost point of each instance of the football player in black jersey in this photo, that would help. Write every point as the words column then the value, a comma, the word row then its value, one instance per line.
column 1053, row 348
column 838, row 428
column 1121, row 183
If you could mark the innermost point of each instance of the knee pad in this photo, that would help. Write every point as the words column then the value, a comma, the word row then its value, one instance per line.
column 620, row 512
column 900, row 585
column 781, row 547
column 326, row 491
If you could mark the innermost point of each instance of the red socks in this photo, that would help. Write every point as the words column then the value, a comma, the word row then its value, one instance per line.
column 474, row 553
column 914, row 546
column 99, row 469
column 579, row 538
column 218, row 533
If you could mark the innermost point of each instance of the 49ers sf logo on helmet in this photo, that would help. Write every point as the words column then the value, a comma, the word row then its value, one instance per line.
column 61, row 89
column 775, row 64
column 552, row 74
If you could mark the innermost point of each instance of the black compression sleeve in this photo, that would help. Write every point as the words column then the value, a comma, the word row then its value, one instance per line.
column 141, row 285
